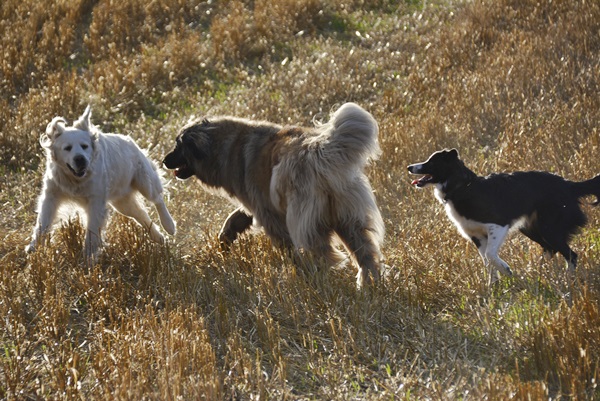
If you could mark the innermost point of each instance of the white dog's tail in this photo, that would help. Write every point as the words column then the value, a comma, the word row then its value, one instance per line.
column 350, row 137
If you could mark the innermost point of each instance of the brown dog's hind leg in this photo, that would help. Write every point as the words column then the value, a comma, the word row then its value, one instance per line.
column 364, row 247
column 235, row 224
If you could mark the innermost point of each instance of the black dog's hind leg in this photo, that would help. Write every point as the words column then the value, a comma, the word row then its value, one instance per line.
column 570, row 257
column 552, row 242
column 235, row 224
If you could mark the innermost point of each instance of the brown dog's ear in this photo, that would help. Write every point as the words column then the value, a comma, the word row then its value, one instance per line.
column 197, row 142
column 53, row 130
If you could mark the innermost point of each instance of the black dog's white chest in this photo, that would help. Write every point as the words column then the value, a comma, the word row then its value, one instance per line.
column 467, row 227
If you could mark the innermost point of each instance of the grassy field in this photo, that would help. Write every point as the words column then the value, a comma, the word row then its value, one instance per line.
column 513, row 84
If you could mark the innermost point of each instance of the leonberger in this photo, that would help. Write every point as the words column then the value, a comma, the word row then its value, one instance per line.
column 306, row 187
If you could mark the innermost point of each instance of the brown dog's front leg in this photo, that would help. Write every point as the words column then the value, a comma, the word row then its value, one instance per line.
column 236, row 223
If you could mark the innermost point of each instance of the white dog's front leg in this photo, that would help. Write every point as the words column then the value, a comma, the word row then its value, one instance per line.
column 96, row 214
column 47, row 208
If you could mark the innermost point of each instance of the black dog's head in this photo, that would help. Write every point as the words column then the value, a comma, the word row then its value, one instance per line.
column 192, row 146
column 437, row 169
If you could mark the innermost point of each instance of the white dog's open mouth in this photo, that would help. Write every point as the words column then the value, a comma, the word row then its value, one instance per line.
column 77, row 173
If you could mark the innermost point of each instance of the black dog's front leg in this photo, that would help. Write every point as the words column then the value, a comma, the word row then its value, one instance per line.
column 236, row 223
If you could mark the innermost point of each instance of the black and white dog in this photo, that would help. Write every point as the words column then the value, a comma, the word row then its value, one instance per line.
column 543, row 206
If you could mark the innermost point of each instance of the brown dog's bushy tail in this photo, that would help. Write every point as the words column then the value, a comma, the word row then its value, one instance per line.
column 589, row 187
column 350, row 137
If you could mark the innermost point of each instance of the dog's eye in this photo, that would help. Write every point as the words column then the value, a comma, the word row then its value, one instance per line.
column 68, row 148
column 84, row 146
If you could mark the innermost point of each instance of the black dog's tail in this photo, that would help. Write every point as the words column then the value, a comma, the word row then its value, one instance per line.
column 589, row 187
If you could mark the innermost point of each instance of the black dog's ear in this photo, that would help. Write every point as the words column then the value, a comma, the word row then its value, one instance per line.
column 452, row 153
column 197, row 142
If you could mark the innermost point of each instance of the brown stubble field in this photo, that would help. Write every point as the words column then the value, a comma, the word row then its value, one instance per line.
column 514, row 85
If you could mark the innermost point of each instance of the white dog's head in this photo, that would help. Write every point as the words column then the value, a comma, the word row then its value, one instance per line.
column 71, row 148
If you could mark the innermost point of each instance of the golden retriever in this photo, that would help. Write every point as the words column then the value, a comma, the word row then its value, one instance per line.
column 89, row 168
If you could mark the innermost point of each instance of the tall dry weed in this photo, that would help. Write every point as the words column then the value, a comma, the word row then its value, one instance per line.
column 262, row 27
column 565, row 350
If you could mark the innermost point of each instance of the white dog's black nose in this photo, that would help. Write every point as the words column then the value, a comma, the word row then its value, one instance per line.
column 80, row 161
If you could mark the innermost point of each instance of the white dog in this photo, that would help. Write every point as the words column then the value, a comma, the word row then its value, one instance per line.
column 91, row 169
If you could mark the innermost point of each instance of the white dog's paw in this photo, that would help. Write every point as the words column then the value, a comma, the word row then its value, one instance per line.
column 165, row 218
column 31, row 247
column 91, row 259
column 169, row 226
column 155, row 235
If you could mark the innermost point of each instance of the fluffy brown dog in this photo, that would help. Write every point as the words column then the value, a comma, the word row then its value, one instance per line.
column 305, row 186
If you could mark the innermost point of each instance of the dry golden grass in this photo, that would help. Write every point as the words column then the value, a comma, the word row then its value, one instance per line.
column 513, row 84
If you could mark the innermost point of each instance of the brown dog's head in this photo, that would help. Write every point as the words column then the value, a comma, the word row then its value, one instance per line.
column 192, row 145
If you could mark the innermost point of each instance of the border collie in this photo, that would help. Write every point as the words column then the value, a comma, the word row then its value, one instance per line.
column 543, row 206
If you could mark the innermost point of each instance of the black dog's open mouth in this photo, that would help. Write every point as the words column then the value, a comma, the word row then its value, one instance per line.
column 77, row 173
column 423, row 180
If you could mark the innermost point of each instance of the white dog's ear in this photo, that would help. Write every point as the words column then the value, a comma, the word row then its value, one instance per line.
column 53, row 130
column 84, row 123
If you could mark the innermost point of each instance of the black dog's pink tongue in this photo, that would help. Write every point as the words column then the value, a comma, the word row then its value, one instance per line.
column 415, row 182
